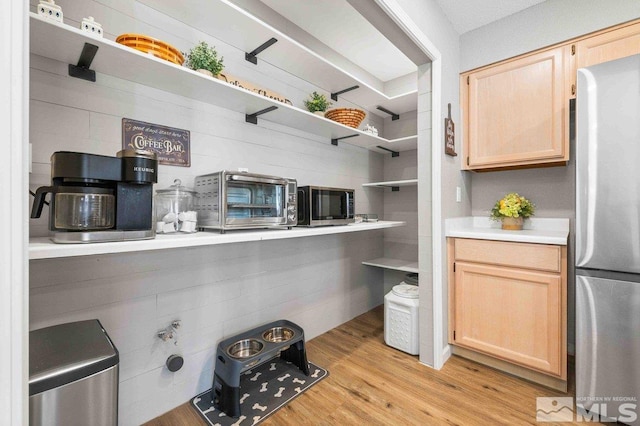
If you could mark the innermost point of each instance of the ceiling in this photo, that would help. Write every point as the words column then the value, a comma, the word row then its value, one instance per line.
column 467, row 15
column 338, row 25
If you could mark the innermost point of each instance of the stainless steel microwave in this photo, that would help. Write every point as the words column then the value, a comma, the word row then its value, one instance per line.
column 238, row 200
column 321, row 206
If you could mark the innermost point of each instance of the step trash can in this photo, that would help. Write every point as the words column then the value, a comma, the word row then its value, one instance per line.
column 401, row 323
column 73, row 376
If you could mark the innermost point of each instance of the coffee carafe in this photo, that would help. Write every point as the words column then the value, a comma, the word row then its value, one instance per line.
column 97, row 198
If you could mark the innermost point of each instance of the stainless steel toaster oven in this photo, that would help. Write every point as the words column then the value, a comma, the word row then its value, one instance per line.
column 239, row 200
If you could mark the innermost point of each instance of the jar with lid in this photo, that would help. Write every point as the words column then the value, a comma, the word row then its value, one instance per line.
column 174, row 209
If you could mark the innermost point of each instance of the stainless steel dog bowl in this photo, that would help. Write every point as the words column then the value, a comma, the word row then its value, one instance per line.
column 245, row 348
column 278, row 334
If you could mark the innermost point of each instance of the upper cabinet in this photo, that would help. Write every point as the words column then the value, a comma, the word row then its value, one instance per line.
column 607, row 46
column 515, row 113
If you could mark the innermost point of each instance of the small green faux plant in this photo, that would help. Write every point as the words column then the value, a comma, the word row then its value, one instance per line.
column 317, row 102
column 512, row 205
column 203, row 57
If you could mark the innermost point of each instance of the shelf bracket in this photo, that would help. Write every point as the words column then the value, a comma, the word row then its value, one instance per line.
column 395, row 188
column 334, row 95
column 393, row 153
column 253, row 118
column 393, row 115
column 334, row 141
column 81, row 70
column 253, row 55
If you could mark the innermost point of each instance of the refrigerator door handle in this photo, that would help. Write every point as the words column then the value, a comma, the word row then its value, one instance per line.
column 587, row 166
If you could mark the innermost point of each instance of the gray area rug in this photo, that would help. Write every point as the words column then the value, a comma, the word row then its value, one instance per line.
column 263, row 390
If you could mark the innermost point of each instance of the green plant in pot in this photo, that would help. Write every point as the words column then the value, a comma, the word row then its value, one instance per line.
column 317, row 103
column 204, row 58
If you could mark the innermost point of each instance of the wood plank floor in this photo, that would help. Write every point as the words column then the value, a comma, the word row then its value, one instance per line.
column 373, row 384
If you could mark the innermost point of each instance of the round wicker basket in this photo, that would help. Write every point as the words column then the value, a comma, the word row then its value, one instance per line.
column 351, row 117
column 151, row 45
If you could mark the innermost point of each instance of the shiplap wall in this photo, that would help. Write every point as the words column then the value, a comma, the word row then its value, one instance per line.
column 217, row 291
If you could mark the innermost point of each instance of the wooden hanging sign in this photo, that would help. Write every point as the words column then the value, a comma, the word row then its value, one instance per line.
column 449, row 135
column 170, row 144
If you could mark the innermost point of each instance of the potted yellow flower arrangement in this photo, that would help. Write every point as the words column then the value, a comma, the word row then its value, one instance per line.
column 512, row 210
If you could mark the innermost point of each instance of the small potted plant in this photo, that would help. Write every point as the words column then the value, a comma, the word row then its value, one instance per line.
column 204, row 59
column 317, row 103
column 512, row 210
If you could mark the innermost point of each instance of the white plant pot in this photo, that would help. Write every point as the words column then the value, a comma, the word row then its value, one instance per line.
column 320, row 113
column 205, row 72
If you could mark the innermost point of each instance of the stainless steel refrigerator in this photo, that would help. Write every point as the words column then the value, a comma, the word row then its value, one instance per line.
column 608, row 240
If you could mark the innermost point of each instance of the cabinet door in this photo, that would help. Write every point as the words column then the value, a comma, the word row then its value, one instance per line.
column 608, row 46
column 517, row 112
column 508, row 313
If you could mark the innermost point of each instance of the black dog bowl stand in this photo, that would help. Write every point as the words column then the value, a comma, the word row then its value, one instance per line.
column 226, row 378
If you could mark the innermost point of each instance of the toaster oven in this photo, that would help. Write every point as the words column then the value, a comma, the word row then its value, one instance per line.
column 237, row 200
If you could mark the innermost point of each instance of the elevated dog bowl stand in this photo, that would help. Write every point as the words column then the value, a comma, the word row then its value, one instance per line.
column 244, row 351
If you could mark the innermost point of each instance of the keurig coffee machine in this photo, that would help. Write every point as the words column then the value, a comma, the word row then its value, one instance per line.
column 96, row 198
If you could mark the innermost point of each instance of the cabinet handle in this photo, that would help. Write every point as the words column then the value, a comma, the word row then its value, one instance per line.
column 573, row 49
column 573, row 89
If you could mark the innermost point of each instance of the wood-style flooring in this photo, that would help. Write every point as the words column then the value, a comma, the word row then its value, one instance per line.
column 373, row 384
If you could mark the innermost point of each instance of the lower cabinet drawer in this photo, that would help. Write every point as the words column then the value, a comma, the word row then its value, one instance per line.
column 520, row 255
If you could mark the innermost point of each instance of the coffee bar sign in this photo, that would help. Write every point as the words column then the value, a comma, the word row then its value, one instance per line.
column 170, row 144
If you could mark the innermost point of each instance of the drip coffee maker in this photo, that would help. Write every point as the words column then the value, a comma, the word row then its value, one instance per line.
column 97, row 198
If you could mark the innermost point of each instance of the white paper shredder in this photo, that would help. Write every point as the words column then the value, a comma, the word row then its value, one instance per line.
column 73, row 375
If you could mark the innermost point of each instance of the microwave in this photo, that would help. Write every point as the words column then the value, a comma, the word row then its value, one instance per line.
column 238, row 200
column 320, row 206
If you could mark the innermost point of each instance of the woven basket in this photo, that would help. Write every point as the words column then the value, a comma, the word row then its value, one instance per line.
column 351, row 117
column 151, row 45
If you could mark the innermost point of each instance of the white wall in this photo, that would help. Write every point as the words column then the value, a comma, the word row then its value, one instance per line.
column 431, row 20
column 541, row 25
column 553, row 21
column 14, row 89
column 317, row 282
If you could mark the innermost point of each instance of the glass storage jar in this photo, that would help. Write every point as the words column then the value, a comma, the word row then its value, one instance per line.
column 174, row 209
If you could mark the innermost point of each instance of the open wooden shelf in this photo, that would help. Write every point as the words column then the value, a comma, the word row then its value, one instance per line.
column 64, row 43
column 226, row 21
column 43, row 248
column 395, row 264
column 392, row 183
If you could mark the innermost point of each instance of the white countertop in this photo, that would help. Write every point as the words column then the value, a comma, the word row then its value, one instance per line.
column 43, row 248
column 536, row 230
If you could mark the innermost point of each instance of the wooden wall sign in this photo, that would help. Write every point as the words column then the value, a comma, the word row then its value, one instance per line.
column 170, row 144
column 253, row 88
column 449, row 135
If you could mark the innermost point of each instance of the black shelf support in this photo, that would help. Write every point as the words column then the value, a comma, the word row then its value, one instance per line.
column 334, row 141
column 253, row 55
column 253, row 118
column 393, row 115
column 334, row 96
column 395, row 188
column 393, row 153
column 81, row 70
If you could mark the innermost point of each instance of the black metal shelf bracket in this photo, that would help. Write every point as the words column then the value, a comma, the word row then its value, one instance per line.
column 393, row 115
column 81, row 70
column 393, row 153
column 334, row 95
column 395, row 188
column 334, row 141
column 253, row 118
column 253, row 55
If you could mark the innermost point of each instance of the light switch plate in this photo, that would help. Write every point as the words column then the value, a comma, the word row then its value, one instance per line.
column 458, row 194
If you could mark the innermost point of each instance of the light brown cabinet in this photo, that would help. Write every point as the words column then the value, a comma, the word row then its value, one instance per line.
column 515, row 113
column 508, row 301
column 607, row 46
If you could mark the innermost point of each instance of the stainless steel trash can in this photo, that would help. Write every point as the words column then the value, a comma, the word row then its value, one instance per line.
column 73, row 376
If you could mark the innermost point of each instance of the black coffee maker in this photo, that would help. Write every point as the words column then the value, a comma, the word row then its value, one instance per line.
column 96, row 198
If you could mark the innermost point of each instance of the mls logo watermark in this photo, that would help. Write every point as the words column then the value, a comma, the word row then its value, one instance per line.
column 593, row 409
column 554, row 409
